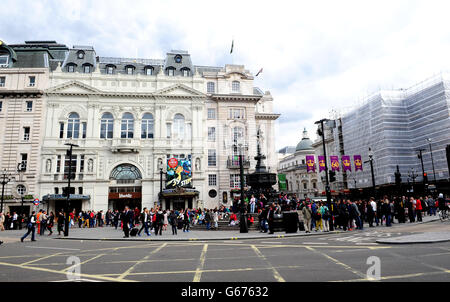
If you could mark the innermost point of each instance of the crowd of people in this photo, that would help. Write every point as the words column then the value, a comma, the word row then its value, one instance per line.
column 313, row 215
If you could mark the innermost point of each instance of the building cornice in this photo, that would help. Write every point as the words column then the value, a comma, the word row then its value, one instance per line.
column 33, row 93
column 267, row 116
column 236, row 97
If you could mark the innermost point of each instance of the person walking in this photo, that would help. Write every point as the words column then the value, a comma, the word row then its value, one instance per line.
column 43, row 219
column 60, row 222
column 145, row 218
column 325, row 213
column 2, row 222
column 116, row 216
column 159, row 222
column 166, row 220
column 270, row 218
column 216, row 219
column 431, row 206
column 31, row 227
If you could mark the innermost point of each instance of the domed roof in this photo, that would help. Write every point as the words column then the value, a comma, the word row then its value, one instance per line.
column 305, row 143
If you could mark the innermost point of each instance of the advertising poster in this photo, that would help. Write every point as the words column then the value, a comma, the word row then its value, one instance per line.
column 179, row 173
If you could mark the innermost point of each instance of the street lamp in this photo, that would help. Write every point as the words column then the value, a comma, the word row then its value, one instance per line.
column 327, row 187
column 161, row 172
column 242, row 220
column 424, row 176
column 66, row 224
column 371, row 169
column 413, row 175
column 432, row 162
column 21, row 168
column 6, row 178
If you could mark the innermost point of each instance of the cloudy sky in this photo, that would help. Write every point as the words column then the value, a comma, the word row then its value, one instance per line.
column 317, row 55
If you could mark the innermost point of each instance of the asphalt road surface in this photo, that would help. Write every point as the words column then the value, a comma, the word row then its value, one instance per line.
column 334, row 257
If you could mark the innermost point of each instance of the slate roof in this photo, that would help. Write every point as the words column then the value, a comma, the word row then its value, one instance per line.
column 72, row 58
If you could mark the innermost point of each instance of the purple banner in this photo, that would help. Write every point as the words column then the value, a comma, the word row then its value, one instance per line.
column 346, row 163
column 334, row 163
column 310, row 164
column 321, row 159
column 358, row 162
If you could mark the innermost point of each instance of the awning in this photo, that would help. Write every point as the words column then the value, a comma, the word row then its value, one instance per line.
column 62, row 197
column 180, row 192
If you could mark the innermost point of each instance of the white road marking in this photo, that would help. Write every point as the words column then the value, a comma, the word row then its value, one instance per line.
column 315, row 243
column 52, row 248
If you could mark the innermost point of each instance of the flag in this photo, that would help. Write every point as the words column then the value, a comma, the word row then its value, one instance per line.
column 346, row 163
column 259, row 72
column 321, row 159
column 358, row 162
column 232, row 45
column 310, row 164
column 334, row 163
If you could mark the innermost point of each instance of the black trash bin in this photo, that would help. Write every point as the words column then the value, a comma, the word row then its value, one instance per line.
column 278, row 225
column 290, row 221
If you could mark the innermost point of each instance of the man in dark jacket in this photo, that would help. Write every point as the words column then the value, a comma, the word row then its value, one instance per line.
column 127, row 218
column 173, row 222
column 186, row 218
column 270, row 218
column 159, row 222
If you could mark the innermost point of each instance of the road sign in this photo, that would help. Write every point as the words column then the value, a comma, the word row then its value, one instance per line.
column 36, row 202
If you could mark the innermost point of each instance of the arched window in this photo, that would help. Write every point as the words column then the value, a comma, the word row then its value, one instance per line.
column 73, row 126
column 125, row 172
column 127, row 128
column 107, row 125
column 147, row 126
column 170, row 71
column 210, row 87
column 185, row 72
column 178, row 126
column 235, row 86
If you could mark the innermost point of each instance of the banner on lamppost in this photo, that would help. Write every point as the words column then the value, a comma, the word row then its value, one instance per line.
column 321, row 159
column 346, row 163
column 358, row 162
column 282, row 182
column 334, row 163
column 310, row 164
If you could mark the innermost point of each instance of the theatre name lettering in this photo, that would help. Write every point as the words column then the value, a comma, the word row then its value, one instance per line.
column 128, row 195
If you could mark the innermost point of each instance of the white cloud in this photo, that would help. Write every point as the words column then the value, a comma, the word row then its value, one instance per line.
column 316, row 55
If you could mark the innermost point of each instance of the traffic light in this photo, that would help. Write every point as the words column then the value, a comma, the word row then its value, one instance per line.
column 332, row 176
column 398, row 178
column 425, row 178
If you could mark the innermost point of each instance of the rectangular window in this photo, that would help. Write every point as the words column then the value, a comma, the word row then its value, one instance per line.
column 71, row 68
column 304, row 186
column 24, row 160
column 84, row 130
column 26, row 133
column 32, row 81
column 129, row 70
column 149, row 71
column 73, row 167
column 169, row 130
column 61, row 130
column 87, row 69
column 2, row 81
column 211, row 134
column 80, row 190
column 210, row 87
column 236, row 113
column 56, row 191
column 82, row 163
column 1, row 106
column 235, row 181
column 211, row 157
column 211, row 113
column 109, row 70
column 29, row 106
column 212, row 180
column 58, row 164
column 170, row 72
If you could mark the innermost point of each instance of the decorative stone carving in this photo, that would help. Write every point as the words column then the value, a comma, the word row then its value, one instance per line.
column 48, row 166
column 90, row 165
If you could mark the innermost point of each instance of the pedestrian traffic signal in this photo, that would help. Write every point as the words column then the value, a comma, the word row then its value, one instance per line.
column 398, row 178
column 332, row 176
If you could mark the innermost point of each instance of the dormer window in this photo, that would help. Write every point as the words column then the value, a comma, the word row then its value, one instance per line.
column 170, row 71
column 110, row 69
column 129, row 69
column 4, row 60
column 178, row 59
column 71, row 67
column 185, row 72
column 149, row 70
column 80, row 54
column 87, row 68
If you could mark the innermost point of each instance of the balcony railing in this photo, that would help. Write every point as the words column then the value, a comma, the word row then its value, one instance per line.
column 233, row 162
column 126, row 145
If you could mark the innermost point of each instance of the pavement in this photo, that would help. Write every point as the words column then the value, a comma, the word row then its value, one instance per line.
column 429, row 237
column 111, row 234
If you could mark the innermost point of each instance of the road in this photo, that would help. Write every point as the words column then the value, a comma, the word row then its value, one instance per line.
column 334, row 257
